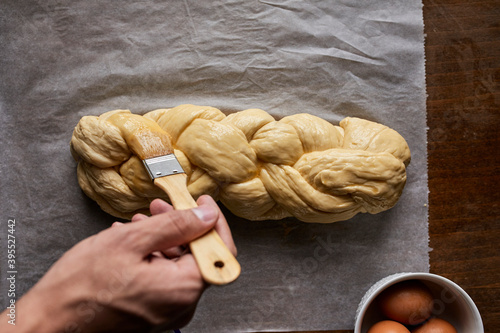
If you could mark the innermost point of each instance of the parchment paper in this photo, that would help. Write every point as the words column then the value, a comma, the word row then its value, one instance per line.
column 61, row 60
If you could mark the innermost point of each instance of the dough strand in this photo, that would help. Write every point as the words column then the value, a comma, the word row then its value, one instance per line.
column 260, row 168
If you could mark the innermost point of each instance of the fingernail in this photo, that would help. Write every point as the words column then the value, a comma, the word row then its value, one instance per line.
column 205, row 213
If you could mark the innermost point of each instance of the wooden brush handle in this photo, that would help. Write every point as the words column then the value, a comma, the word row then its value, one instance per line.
column 215, row 261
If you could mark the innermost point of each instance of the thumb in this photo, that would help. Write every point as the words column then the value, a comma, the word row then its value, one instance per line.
column 174, row 228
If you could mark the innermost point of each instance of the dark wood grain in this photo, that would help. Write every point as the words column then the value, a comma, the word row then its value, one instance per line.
column 463, row 109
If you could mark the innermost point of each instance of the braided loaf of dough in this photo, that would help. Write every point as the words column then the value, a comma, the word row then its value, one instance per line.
column 259, row 168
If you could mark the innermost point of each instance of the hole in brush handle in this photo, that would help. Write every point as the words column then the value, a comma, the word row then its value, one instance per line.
column 216, row 262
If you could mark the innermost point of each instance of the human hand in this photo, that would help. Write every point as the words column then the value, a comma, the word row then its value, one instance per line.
column 128, row 277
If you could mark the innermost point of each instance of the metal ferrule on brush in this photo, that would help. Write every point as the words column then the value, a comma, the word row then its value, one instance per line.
column 162, row 166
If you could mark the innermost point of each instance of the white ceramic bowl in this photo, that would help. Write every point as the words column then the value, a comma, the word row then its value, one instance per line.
column 451, row 303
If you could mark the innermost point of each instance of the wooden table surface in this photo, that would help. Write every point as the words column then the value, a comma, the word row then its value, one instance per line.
column 463, row 109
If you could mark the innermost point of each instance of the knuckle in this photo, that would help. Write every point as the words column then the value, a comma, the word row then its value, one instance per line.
column 182, row 224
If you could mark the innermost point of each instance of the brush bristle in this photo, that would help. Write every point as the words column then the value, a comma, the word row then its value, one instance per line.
column 144, row 137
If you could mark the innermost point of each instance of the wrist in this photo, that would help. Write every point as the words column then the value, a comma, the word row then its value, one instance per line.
column 37, row 312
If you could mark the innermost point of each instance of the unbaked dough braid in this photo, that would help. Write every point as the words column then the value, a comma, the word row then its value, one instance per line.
column 259, row 168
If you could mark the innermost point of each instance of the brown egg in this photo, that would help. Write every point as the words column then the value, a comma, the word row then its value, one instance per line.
column 408, row 302
column 435, row 325
column 388, row 326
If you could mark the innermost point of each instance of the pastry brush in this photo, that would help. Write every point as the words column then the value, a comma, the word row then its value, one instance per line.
column 153, row 146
